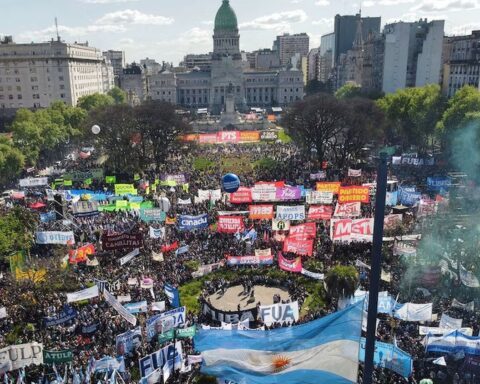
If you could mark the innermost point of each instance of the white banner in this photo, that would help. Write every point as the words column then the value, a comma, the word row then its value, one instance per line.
column 291, row 212
column 313, row 275
column 122, row 311
column 33, row 182
column 319, row 197
column 467, row 307
column 3, row 313
column 450, row 322
column 124, row 299
column 263, row 252
column 442, row 331
column 354, row 172
column 20, row 356
column 185, row 202
column 279, row 313
column 158, row 306
column 468, row 278
column 157, row 256
column 129, row 256
column 415, row 312
column 206, row 269
column 264, row 193
column 84, row 294
column 55, row 237
column 280, row 225
column 157, row 233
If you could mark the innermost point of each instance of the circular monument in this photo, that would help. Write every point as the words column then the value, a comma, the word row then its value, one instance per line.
column 235, row 296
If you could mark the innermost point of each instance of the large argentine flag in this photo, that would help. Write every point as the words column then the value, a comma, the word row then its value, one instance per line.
column 322, row 351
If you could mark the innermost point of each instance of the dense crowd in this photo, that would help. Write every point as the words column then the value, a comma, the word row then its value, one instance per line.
column 91, row 334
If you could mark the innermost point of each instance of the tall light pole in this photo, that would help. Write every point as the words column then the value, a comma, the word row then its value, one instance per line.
column 380, row 196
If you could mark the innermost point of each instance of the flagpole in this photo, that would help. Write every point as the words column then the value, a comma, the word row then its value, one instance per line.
column 376, row 267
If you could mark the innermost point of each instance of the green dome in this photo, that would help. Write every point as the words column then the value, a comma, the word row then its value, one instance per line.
column 226, row 20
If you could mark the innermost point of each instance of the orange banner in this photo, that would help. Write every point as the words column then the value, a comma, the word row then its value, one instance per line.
column 354, row 194
column 261, row 212
column 249, row 136
column 333, row 187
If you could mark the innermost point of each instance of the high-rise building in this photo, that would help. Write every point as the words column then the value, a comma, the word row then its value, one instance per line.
column 312, row 64
column 117, row 58
column 461, row 63
column 288, row 45
column 413, row 54
column 326, row 55
column 345, row 29
column 36, row 74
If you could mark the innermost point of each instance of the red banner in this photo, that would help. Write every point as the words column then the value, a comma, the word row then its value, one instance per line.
column 354, row 194
column 224, row 137
column 333, row 187
column 261, row 212
column 299, row 247
column 81, row 254
column 320, row 212
column 243, row 195
column 230, row 224
column 170, row 247
column 289, row 265
column 351, row 230
column 348, row 210
column 303, row 231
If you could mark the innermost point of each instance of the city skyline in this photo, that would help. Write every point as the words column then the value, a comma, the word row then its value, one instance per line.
column 166, row 31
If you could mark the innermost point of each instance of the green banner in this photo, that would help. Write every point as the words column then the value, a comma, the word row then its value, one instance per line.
column 67, row 183
column 110, row 179
column 181, row 333
column 136, row 177
column 184, row 333
column 88, row 181
column 50, row 357
column 121, row 204
column 17, row 261
column 164, row 337
column 125, row 189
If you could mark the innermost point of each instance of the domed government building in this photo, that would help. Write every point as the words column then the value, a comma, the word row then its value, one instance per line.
column 229, row 77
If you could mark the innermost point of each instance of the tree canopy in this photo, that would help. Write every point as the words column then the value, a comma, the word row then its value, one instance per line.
column 16, row 231
column 119, row 95
column 342, row 281
column 328, row 128
column 412, row 115
column 96, row 100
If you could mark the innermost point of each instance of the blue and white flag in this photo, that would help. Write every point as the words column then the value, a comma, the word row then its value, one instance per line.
column 182, row 250
column 172, row 295
column 250, row 235
column 322, row 351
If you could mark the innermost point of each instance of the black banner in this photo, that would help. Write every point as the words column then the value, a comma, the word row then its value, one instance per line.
column 229, row 316
column 122, row 241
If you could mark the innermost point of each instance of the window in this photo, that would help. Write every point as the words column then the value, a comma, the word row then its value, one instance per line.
column 36, row 96
column 62, row 86
column 62, row 95
column 34, row 87
column 10, row 97
column 60, row 78
column 19, row 97
column 33, row 79
column 19, row 89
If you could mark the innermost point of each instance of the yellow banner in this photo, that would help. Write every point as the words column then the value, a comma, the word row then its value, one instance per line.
column 30, row 274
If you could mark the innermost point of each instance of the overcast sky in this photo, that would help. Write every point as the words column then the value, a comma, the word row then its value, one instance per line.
column 167, row 30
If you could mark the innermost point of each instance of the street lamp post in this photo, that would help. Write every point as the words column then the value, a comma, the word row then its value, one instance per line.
column 376, row 268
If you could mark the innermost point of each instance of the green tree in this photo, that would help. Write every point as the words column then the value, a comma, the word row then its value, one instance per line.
column 12, row 161
column 342, row 281
column 118, row 95
column 95, row 101
column 314, row 122
column 16, row 231
column 412, row 114
column 462, row 108
column 348, row 91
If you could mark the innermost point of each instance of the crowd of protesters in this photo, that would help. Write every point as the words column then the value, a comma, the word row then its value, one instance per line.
column 91, row 334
